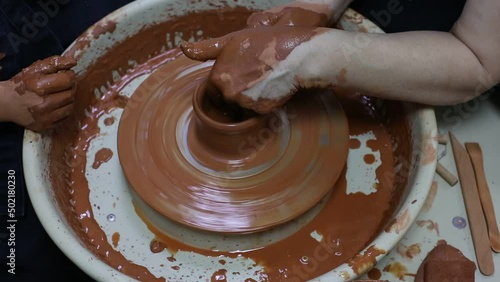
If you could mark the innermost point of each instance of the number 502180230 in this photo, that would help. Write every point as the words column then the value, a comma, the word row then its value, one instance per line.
column 11, row 194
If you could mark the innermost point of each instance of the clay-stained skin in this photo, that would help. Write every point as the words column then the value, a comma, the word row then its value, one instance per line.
column 2, row 55
column 49, row 85
column 70, row 145
column 252, row 49
column 445, row 262
column 102, row 156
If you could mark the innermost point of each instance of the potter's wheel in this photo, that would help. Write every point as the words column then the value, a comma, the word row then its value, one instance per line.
column 224, row 175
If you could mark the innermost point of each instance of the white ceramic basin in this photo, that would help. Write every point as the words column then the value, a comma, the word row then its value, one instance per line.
column 130, row 19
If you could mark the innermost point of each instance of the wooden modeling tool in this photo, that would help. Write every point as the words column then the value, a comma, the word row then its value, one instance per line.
column 477, row 222
column 476, row 156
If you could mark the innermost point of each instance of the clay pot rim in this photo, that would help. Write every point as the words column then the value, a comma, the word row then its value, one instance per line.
column 235, row 127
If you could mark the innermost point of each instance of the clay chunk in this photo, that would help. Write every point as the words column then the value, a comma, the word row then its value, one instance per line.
column 449, row 271
column 446, row 263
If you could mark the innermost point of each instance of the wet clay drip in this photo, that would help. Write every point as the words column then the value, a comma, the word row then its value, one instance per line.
column 102, row 156
column 208, row 175
column 70, row 145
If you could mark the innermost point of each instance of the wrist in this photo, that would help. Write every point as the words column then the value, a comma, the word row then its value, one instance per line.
column 322, row 60
column 5, row 96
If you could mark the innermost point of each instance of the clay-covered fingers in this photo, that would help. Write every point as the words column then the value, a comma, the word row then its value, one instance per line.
column 54, row 101
column 205, row 50
column 50, row 65
column 50, row 83
column 49, row 120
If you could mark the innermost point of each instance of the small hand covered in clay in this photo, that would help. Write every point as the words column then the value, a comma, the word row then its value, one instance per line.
column 257, row 68
column 307, row 13
column 41, row 96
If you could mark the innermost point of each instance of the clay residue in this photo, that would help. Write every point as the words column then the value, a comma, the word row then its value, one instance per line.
column 398, row 270
column 156, row 246
column 354, row 143
column 109, row 121
column 76, row 50
column 428, row 151
column 430, row 199
column 369, row 159
column 363, row 262
column 374, row 274
column 408, row 252
column 446, row 263
column 429, row 224
column 399, row 223
column 102, row 156
column 2, row 55
column 103, row 28
column 115, row 238
column 219, row 276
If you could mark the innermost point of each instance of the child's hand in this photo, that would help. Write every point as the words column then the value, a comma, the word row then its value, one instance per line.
column 40, row 97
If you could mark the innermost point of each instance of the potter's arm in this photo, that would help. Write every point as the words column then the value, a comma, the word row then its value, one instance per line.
column 437, row 68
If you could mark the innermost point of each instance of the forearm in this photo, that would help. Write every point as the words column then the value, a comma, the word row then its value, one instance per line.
column 424, row 66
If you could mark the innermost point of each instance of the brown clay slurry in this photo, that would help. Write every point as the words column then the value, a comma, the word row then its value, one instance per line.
column 102, row 156
column 109, row 121
column 115, row 238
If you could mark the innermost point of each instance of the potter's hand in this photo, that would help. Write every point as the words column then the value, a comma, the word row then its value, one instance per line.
column 41, row 95
column 257, row 68
column 308, row 13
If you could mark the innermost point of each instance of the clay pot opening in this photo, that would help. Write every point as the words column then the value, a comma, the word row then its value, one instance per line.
column 224, row 117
